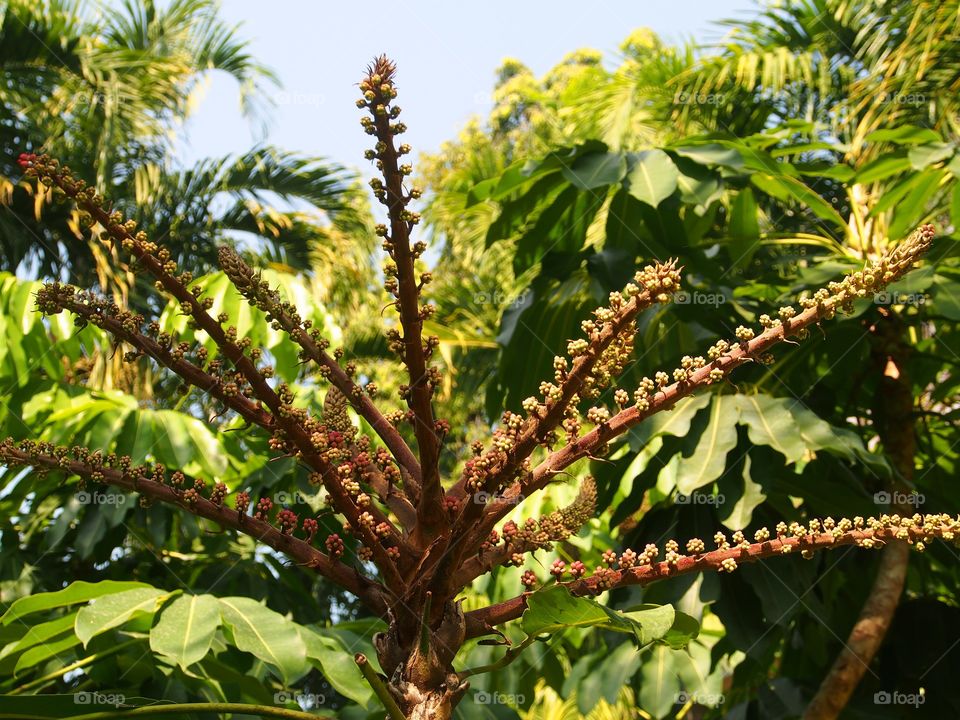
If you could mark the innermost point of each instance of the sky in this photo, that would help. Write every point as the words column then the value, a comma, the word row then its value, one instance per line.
column 446, row 53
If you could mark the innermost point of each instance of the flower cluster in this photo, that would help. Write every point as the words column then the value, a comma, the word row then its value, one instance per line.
column 630, row 567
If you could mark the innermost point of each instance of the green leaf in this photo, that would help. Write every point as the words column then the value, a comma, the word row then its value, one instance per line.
column 946, row 297
column 955, row 206
column 883, row 167
column 267, row 635
column 709, row 459
column 554, row 609
column 698, row 185
column 673, row 422
column 338, row 666
column 790, row 189
column 186, row 629
column 596, row 170
column 913, row 208
column 711, row 154
column 751, row 497
column 744, row 228
column 659, row 683
column 923, row 155
column 653, row 177
column 561, row 228
column 904, row 135
column 39, row 654
column 111, row 611
column 770, row 422
column 76, row 592
column 37, row 634
column 607, row 678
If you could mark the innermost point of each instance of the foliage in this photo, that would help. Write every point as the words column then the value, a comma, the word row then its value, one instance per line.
column 576, row 180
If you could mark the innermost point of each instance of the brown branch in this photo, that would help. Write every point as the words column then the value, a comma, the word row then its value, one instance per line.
column 823, row 306
column 55, row 297
column 143, row 250
column 659, row 282
column 371, row 592
column 104, row 314
column 260, row 295
column 654, row 284
column 379, row 93
column 887, row 528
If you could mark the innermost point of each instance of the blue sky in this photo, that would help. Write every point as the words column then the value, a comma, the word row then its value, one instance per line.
column 446, row 51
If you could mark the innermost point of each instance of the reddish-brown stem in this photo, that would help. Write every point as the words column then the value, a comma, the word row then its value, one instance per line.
column 261, row 389
column 194, row 375
column 372, row 594
column 541, row 425
column 270, row 302
column 538, row 427
column 431, row 519
column 592, row 442
column 480, row 622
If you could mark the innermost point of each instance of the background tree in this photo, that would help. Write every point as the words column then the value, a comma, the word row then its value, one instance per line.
column 541, row 222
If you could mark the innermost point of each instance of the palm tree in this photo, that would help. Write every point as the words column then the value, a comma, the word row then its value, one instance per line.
column 103, row 88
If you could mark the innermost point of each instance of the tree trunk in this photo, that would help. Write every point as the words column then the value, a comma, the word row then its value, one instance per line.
column 893, row 419
column 419, row 663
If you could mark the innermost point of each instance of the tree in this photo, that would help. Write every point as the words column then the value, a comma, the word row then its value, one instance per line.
column 824, row 149
column 418, row 540
column 104, row 92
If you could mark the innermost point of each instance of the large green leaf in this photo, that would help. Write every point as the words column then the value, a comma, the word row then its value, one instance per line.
column 40, row 634
column 596, row 170
column 711, row 154
column 76, row 592
column 652, row 177
column 560, row 228
column 338, row 665
column 675, row 422
column 904, row 135
column 554, row 609
column 267, row 635
column 922, row 156
column 706, row 463
column 796, row 432
column 111, row 611
column 659, row 682
column 186, row 628
column 173, row 438
column 737, row 515
column 790, row 189
column 769, row 422
column 913, row 208
column 883, row 167
column 57, row 647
